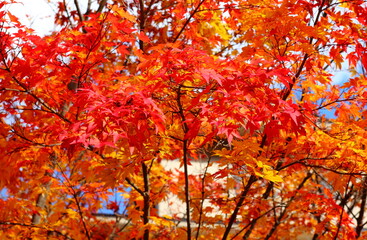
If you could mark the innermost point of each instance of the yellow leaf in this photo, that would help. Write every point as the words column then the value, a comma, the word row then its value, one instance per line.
column 271, row 175
column 123, row 13
column 72, row 214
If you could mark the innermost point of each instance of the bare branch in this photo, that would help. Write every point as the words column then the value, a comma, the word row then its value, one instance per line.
column 102, row 4
column 80, row 14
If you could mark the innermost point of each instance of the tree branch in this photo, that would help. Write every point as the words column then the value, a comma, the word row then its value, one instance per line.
column 75, row 194
column 362, row 210
column 202, row 196
column 146, row 198
column 80, row 14
column 279, row 218
column 238, row 206
column 185, row 161
column 342, row 211
column 188, row 20
column 134, row 186
column 102, row 4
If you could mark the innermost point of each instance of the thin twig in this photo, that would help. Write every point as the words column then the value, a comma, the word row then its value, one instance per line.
column 188, row 20
column 202, row 196
column 233, row 217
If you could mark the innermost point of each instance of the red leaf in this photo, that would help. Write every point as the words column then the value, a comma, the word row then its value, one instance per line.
column 194, row 128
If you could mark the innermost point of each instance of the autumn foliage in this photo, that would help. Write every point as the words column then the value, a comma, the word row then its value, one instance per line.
column 249, row 89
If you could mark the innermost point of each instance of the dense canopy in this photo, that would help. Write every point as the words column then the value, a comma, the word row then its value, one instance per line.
column 267, row 96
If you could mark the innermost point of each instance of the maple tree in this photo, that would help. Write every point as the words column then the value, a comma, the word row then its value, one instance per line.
column 245, row 88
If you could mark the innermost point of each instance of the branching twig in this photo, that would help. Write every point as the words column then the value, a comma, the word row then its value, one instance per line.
column 188, row 20
column 134, row 186
column 233, row 217
column 342, row 211
column 281, row 215
column 362, row 210
column 202, row 196
column 185, row 162
column 75, row 194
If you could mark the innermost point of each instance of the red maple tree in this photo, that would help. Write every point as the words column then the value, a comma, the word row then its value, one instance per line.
column 241, row 96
